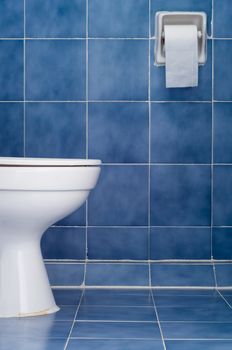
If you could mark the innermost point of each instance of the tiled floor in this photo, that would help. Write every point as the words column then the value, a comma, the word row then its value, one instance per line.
column 127, row 320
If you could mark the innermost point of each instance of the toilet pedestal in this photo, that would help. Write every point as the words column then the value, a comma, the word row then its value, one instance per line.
column 25, row 289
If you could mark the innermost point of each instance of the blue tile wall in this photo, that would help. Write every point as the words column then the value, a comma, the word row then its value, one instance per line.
column 180, row 195
column 46, row 130
column 111, row 63
column 113, row 127
column 78, row 80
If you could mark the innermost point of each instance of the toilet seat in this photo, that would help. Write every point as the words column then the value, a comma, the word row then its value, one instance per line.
column 47, row 162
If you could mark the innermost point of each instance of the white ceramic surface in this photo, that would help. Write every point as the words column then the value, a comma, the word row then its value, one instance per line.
column 34, row 194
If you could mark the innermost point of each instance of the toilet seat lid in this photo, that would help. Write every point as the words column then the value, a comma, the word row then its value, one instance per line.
column 49, row 162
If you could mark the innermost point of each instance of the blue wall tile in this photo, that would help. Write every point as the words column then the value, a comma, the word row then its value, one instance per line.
column 11, row 121
column 65, row 274
column 182, row 275
column 117, row 274
column 11, row 70
column 181, row 133
column 114, row 62
column 223, row 132
column 222, row 196
column 118, row 19
column 180, row 195
column 222, row 70
column 77, row 218
column 224, row 274
column 203, row 92
column 55, row 70
column 222, row 19
column 11, row 19
column 58, row 18
column 181, row 5
column 118, row 132
column 121, row 197
column 114, row 243
column 222, row 243
column 180, row 243
column 55, row 130
column 64, row 243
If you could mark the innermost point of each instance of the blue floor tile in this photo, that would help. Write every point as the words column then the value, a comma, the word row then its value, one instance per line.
column 119, row 313
column 122, row 330
column 67, row 296
column 189, row 301
column 196, row 330
column 114, row 344
column 66, row 313
column 199, row 345
column 219, row 313
column 117, row 298
column 31, row 344
column 34, row 327
column 185, row 292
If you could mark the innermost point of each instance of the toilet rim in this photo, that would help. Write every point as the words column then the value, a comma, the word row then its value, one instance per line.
column 47, row 162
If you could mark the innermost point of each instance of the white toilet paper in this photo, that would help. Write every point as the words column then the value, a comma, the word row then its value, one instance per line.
column 181, row 52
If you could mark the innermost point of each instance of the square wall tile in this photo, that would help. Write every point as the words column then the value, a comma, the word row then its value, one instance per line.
column 121, row 197
column 118, row 19
column 224, row 274
column 64, row 243
column 181, row 132
column 65, row 274
column 118, row 70
column 77, row 218
column 222, row 70
column 11, row 70
column 181, row 5
column 191, row 275
column 222, row 243
column 11, row 19
column 223, row 132
column 55, row 70
column 55, row 19
column 180, row 243
column 55, row 130
column 203, row 92
column 115, row 243
column 180, row 195
column 222, row 19
column 118, row 132
column 222, row 215
column 11, row 126
column 117, row 275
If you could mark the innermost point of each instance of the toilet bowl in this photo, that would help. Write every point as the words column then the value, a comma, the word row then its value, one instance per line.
column 34, row 194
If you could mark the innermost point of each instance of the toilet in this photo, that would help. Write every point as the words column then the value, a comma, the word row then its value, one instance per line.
column 34, row 194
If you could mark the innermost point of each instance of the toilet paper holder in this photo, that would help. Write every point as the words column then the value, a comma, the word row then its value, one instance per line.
column 180, row 18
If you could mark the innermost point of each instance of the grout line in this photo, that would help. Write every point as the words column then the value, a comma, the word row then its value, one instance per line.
column 149, row 146
column 159, row 325
column 70, row 332
column 138, row 262
column 87, row 131
column 212, row 151
column 222, row 296
column 141, row 288
column 24, row 78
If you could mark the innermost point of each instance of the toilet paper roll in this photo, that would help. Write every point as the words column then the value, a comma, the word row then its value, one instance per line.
column 181, row 53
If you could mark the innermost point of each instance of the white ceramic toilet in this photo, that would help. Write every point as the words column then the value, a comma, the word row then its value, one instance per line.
column 34, row 194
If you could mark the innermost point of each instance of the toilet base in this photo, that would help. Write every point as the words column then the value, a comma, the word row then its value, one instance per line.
column 33, row 314
column 24, row 285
